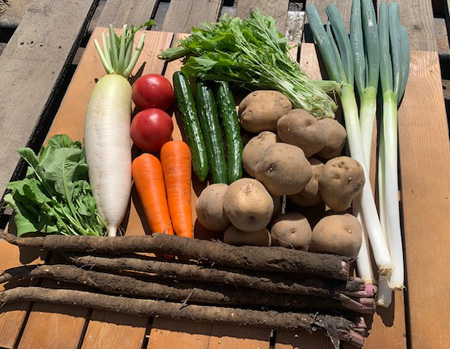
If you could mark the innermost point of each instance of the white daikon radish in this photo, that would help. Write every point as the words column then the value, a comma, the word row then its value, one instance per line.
column 107, row 138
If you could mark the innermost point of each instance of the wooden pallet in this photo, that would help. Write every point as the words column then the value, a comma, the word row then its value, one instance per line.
column 418, row 318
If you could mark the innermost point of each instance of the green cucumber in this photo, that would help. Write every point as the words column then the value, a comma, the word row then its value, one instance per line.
column 232, row 130
column 191, row 125
column 209, row 121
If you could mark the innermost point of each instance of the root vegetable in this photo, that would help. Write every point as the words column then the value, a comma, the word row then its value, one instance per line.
column 310, row 195
column 260, row 110
column 246, row 257
column 300, row 128
column 335, row 135
column 248, row 205
column 149, row 182
column 176, row 166
column 291, row 230
column 192, row 291
column 209, row 207
column 337, row 327
column 341, row 179
column 236, row 237
column 107, row 128
column 265, row 281
column 338, row 234
column 254, row 149
column 283, row 169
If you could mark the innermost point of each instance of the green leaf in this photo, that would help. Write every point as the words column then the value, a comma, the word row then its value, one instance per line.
column 29, row 156
column 251, row 53
column 61, row 169
column 55, row 196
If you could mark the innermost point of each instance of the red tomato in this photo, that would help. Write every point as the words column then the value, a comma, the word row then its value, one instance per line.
column 153, row 91
column 150, row 129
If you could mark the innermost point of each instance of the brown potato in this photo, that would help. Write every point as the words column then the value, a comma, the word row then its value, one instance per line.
column 254, row 150
column 291, row 230
column 283, row 169
column 209, row 207
column 236, row 237
column 248, row 205
column 300, row 128
column 337, row 234
column 260, row 110
column 341, row 179
column 335, row 135
column 310, row 195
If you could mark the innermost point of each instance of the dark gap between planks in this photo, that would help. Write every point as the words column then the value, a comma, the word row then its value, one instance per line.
column 148, row 330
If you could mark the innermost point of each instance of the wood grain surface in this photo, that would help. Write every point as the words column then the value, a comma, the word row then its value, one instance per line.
column 344, row 7
column 277, row 9
column 70, row 120
column 425, row 172
column 119, row 12
column 32, row 66
column 417, row 15
column 425, row 190
column 183, row 15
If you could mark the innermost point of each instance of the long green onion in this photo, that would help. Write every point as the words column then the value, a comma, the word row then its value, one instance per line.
column 394, row 69
column 350, row 108
column 365, row 46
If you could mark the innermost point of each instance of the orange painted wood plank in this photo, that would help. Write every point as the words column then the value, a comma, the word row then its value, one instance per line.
column 166, row 331
column 70, row 120
column 114, row 330
column 425, row 172
column 13, row 315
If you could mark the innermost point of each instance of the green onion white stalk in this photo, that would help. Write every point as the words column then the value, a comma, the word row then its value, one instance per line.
column 394, row 69
column 365, row 46
column 339, row 64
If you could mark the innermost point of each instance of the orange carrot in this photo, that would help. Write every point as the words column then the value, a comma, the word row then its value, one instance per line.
column 149, row 182
column 176, row 165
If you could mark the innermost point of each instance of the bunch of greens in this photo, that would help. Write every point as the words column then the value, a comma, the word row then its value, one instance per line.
column 55, row 196
column 252, row 53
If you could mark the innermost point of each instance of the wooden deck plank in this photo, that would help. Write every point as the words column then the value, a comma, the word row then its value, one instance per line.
column 277, row 9
column 425, row 170
column 290, row 340
column 107, row 334
column 119, row 12
column 417, row 15
column 13, row 315
column 388, row 327
column 112, row 330
column 183, row 15
column 35, row 58
column 70, row 120
column 32, row 66
column 166, row 331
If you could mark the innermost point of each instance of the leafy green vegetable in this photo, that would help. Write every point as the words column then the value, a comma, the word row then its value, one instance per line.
column 55, row 196
column 251, row 52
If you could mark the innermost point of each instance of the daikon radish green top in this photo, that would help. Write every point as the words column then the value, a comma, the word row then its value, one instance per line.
column 116, row 55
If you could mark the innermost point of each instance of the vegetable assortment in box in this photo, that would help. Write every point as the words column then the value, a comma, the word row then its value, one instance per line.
column 259, row 196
